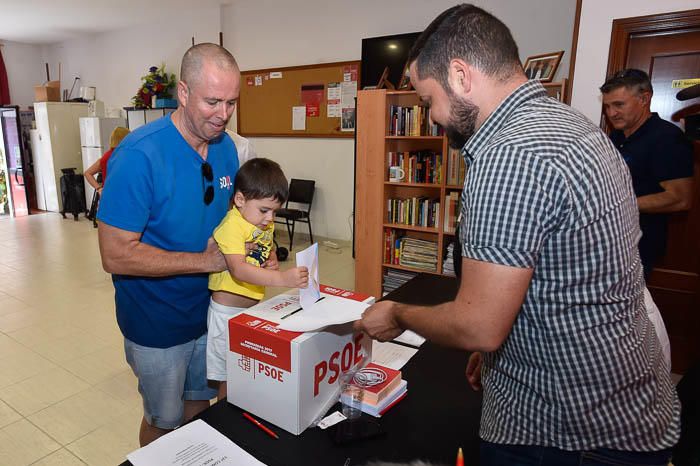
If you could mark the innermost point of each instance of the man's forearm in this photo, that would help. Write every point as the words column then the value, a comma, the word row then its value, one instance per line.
column 144, row 260
column 664, row 202
column 123, row 253
column 444, row 324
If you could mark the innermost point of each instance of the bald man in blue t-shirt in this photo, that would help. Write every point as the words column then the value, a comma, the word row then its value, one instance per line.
column 170, row 185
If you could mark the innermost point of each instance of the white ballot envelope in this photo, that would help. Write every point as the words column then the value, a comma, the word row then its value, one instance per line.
column 309, row 258
column 331, row 310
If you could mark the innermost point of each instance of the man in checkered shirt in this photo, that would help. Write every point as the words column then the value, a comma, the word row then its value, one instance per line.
column 551, row 284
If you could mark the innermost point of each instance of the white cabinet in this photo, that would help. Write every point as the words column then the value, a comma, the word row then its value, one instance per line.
column 142, row 116
column 57, row 146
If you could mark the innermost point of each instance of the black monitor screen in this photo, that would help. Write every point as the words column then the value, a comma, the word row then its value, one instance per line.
column 380, row 52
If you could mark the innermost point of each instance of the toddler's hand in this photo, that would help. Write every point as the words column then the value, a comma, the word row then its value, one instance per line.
column 298, row 277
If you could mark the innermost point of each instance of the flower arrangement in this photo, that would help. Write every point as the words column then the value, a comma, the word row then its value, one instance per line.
column 156, row 83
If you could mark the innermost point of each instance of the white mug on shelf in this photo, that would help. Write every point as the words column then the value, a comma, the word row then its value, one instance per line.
column 396, row 174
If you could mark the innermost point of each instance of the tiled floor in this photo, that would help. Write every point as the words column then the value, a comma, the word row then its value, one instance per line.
column 67, row 397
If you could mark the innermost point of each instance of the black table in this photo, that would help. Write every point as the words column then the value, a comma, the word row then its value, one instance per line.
column 440, row 413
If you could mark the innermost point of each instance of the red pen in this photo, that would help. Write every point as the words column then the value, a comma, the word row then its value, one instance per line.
column 259, row 424
column 460, row 458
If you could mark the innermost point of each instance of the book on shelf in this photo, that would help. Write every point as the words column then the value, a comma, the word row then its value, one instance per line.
column 418, row 254
column 448, row 263
column 391, row 246
column 394, row 278
column 415, row 211
column 456, row 167
column 423, row 166
column 452, row 206
column 409, row 252
column 412, row 121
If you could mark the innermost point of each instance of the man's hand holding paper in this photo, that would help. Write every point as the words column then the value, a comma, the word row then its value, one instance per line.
column 379, row 321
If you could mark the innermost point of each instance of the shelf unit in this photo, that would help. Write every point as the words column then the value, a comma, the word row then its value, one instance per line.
column 557, row 90
column 373, row 188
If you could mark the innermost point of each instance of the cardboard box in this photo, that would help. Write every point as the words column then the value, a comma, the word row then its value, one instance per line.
column 50, row 92
column 290, row 378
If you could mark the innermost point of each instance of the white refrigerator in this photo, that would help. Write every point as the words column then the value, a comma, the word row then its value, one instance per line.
column 56, row 146
column 94, row 141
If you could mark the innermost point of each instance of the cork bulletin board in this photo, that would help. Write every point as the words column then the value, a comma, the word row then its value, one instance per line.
column 269, row 96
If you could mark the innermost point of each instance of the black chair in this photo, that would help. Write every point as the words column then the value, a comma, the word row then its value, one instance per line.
column 300, row 192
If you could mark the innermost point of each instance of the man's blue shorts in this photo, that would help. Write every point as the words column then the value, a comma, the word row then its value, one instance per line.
column 168, row 377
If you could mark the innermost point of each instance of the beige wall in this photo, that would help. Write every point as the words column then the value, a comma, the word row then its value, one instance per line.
column 268, row 33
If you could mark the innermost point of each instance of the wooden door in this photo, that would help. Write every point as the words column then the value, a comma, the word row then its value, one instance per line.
column 667, row 46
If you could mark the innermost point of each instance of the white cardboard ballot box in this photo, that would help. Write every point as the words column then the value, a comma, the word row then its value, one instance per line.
column 289, row 378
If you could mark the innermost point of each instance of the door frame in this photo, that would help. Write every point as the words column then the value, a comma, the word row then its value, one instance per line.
column 658, row 24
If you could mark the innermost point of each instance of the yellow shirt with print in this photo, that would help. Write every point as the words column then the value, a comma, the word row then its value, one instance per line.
column 231, row 235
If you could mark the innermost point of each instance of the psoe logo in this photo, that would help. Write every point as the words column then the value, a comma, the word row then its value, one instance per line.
column 244, row 363
column 225, row 182
column 254, row 323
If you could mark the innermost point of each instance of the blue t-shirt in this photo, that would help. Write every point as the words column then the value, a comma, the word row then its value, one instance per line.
column 156, row 188
column 658, row 151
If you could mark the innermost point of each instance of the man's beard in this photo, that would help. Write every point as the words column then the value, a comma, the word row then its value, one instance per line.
column 462, row 123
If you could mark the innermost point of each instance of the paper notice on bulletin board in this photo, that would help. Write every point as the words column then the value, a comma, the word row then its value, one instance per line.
column 347, row 121
column 311, row 97
column 350, row 73
column 299, row 118
column 348, row 92
column 333, row 100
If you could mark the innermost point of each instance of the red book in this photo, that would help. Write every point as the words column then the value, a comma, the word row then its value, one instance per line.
column 377, row 382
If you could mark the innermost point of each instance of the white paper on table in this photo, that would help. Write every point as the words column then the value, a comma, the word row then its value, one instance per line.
column 331, row 310
column 194, row 444
column 391, row 355
column 410, row 338
column 299, row 118
column 309, row 258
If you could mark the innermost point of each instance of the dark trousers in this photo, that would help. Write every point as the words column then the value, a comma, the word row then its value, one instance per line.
column 494, row 454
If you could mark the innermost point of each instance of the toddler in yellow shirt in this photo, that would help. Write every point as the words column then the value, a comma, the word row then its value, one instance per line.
column 260, row 188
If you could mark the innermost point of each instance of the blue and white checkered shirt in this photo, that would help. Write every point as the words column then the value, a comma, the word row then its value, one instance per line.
column 582, row 367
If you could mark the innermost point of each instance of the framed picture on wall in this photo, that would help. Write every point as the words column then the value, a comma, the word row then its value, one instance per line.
column 384, row 82
column 405, row 81
column 542, row 67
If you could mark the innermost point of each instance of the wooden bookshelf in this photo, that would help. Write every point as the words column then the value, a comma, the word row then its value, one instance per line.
column 557, row 90
column 373, row 188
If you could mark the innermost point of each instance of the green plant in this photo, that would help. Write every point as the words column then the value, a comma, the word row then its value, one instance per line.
column 156, row 83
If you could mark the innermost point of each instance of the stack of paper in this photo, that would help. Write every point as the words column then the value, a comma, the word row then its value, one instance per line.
column 194, row 444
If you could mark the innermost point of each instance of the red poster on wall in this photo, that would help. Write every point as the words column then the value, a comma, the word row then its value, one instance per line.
column 311, row 97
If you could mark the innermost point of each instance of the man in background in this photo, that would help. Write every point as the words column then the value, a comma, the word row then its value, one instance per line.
column 658, row 154
column 244, row 147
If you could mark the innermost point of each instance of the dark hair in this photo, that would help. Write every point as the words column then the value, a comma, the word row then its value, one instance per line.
column 260, row 179
column 470, row 33
column 193, row 60
column 633, row 79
